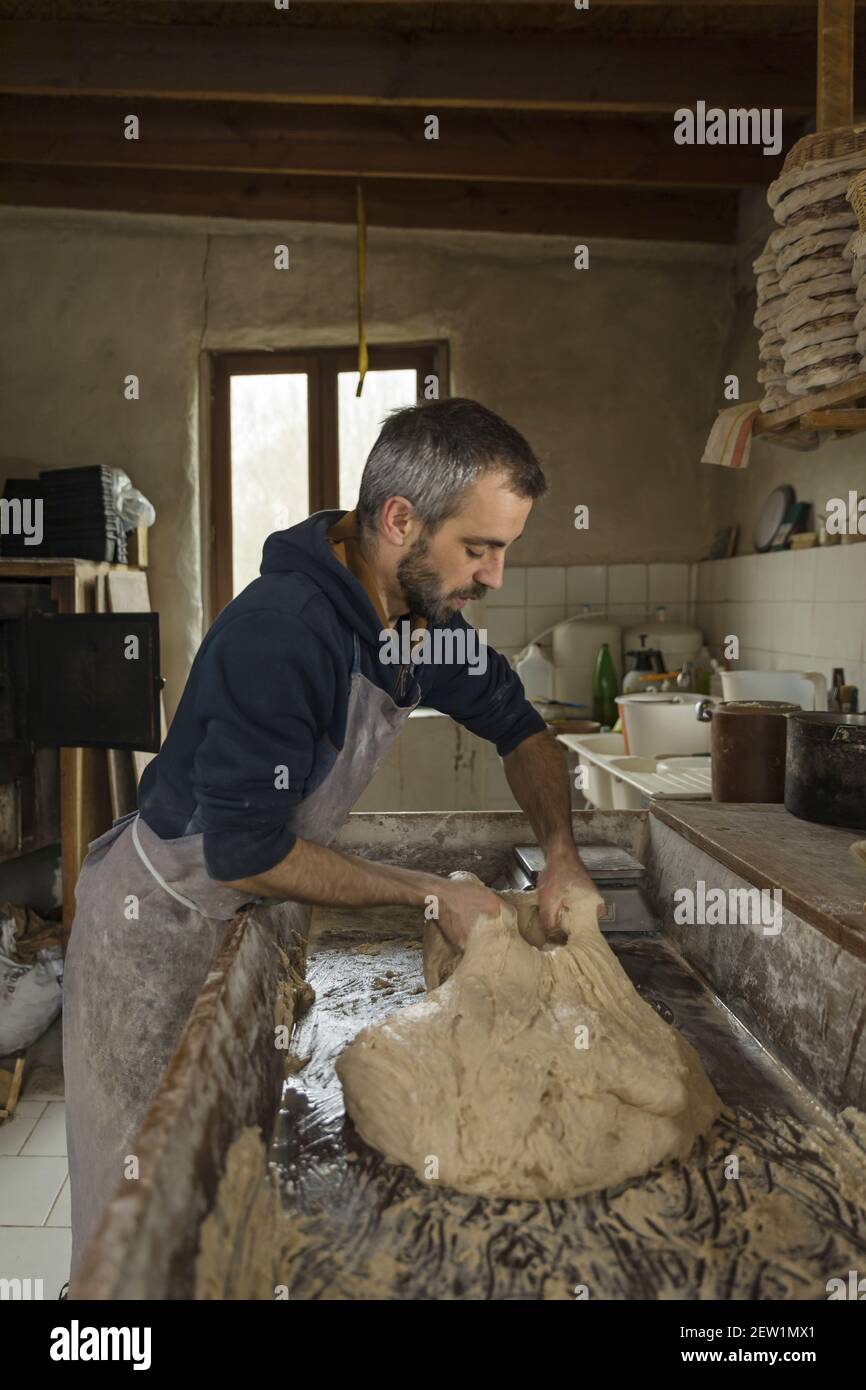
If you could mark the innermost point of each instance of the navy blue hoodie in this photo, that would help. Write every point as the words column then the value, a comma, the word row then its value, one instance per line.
column 270, row 686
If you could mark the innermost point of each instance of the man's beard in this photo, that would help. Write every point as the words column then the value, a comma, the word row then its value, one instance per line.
column 422, row 587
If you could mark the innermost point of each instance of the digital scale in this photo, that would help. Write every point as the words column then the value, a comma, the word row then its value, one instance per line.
column 618, row 876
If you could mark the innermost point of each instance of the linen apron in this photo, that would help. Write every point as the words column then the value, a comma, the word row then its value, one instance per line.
column 130, row 984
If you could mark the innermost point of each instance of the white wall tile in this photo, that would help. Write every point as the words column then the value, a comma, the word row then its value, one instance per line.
column 628, row 614
column 506, row 625
column 545, row 584
column 585, row 584
column 787, row 628
column 694, row 583
column 509, row 650
column 668, row 583
column 849, row 631
column 803, row 587
column 767, row 637
column 823, row 629
column 539, row 617
column 627, row 584
column 827, row 573
column 783, row 576
column 725, row 570
column 804, row 640
column 513, row 591
column 852, row 571
column 761, row 569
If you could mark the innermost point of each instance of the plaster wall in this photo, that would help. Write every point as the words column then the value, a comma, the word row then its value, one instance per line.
column 612, row 372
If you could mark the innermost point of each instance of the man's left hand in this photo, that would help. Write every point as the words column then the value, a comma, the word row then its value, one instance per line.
column 562, row 877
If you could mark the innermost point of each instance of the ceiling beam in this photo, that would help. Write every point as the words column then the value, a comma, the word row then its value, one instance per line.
column 595, row 4
column 519, row 147
column 696, row 215
column 834, row 100
column 570, row 71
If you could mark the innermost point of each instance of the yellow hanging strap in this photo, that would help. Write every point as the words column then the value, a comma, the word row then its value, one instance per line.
column 363, row 360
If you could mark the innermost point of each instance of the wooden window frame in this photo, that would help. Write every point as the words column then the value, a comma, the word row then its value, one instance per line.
column 322, row 366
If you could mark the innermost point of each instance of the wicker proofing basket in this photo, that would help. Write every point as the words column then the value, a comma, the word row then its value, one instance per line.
column 825, row 144
column 856, row 195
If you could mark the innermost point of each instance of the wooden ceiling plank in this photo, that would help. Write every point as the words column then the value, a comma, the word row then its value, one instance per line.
column 556, row 71
column 834, row 103
column 369, row 142
column 693, row 216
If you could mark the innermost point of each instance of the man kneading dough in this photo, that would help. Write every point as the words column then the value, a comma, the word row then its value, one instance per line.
column 293, row 701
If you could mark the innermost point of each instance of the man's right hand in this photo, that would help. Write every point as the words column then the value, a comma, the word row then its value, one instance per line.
column 461, row 903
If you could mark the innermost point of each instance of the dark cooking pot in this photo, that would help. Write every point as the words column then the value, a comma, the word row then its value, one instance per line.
column 747, row 748
column 825, row 772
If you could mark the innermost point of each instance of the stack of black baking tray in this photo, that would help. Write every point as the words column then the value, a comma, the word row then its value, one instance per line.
column 80, row 516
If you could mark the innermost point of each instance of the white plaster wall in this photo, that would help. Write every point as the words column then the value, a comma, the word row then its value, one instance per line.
column 82, row 307
column 611, row 373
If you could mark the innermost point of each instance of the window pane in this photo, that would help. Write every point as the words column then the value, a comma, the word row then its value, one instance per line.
column 270, row 463
column 361, row 419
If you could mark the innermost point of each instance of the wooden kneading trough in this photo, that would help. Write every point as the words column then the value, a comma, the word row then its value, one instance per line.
column 527, row 1072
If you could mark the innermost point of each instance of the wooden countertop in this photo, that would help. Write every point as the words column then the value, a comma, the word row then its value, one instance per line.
column 767, row 846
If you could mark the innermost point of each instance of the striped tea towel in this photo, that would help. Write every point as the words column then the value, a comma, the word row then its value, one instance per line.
column 731, row 436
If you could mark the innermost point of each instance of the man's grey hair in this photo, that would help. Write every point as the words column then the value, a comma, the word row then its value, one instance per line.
column 432, row 454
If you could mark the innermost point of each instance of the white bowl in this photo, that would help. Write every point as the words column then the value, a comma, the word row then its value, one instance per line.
column 658, row 724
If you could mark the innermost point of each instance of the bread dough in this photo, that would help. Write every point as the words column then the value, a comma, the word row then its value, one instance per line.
column 528, row 1073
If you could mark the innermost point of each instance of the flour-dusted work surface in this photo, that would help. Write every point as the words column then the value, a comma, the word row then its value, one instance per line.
column 794, row 1217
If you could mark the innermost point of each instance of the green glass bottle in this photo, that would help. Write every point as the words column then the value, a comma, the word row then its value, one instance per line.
column 605, row 688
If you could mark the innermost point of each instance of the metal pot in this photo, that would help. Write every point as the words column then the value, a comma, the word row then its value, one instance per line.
column 825, row 773
column 747, row 748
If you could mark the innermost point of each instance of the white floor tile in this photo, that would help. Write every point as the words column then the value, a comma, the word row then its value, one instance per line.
column 36, row 1252
column 15, row 1132
column 49, row 1135
column 28, row 1188
column 61, row 1212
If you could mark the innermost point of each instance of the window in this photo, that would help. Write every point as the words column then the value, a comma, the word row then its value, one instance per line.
column 291, row 437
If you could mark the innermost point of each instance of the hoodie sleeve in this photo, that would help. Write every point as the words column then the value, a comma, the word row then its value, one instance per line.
column 264, row 700
column 485, row 695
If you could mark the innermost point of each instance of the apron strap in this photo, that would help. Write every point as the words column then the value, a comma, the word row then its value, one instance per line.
column 155, row 874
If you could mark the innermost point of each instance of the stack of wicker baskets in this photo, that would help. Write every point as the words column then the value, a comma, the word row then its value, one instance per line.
column 771, row 372
column 807, row 321
column 855, row 251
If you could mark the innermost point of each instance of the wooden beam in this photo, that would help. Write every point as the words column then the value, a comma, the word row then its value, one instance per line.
column 834, row 104
column 838, row 419
column 660, row 215
column 844, row 394
column 570, row 71
column 595, row 4
column 516, row 147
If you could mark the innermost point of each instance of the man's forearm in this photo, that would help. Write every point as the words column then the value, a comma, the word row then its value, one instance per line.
column 311, row 873
column 538, row 777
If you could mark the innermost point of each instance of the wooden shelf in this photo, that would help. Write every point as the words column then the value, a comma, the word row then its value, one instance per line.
column 839, row 409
